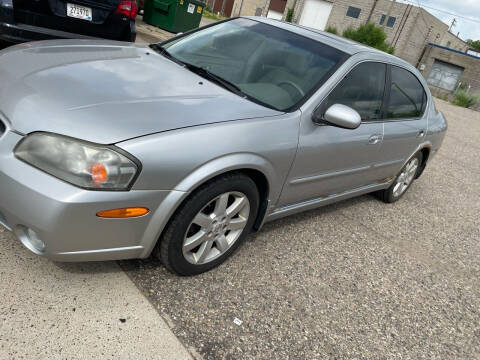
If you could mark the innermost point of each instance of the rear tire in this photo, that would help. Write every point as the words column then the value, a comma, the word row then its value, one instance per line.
column 210, row 225
column 403, row 181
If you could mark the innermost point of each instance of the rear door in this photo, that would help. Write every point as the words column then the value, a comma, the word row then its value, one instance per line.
column 405, row 124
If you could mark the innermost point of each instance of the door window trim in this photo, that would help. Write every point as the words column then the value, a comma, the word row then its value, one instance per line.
column 381, row 117
column 389, row 90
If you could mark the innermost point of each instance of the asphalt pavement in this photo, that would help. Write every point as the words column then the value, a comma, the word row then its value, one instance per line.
column 356, row 280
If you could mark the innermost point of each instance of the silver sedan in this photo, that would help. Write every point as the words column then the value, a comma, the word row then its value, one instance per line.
column 180, row 149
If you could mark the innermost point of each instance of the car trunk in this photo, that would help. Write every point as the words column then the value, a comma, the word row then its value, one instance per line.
column 52, row 14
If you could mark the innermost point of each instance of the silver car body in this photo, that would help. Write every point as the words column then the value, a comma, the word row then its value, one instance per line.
column 183, row 134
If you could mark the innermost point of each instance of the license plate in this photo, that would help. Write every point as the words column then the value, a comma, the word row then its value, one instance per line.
column 79, row 12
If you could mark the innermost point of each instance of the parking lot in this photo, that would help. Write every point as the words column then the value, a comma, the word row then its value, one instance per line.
column 359, row 279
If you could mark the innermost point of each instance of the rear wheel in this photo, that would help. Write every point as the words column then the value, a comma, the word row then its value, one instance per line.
column 210, row 225
column 403, row 181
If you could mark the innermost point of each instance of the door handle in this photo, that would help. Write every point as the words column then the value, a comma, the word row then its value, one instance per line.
column 421, row 133
column 374, row 139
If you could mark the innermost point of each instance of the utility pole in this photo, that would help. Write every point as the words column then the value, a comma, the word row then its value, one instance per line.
column 454, row 23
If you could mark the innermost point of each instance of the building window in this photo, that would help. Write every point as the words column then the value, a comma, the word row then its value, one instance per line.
column 449, row 43
column 353, row 12
column 390, row 22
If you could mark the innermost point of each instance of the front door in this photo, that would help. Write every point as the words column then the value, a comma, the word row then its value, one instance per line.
column 331, row 160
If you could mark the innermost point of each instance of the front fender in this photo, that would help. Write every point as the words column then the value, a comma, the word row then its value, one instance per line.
column 181, row 160
column 232, row 162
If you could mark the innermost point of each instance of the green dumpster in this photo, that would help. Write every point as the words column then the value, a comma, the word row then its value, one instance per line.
column 174, row 15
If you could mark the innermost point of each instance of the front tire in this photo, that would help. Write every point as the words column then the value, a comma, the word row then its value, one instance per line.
column 210, row 225
column 403, row 181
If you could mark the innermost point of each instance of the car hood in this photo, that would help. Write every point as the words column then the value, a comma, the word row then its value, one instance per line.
column 107, row 92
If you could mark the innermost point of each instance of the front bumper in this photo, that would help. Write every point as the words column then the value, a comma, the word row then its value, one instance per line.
column 64, row 217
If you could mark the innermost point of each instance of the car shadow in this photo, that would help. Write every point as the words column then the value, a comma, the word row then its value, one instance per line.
column 138, row 265
column 88, row 267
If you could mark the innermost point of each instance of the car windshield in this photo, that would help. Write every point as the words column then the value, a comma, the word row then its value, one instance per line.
column 269, row 65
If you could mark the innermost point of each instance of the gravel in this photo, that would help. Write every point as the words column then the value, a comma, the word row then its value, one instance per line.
column 356, row 280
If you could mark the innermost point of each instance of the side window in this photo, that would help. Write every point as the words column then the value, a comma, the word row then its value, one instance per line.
column 407, row 96
column 362, row 89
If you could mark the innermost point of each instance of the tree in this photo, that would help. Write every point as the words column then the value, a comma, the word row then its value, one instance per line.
column 370, row 35
column 474, row 44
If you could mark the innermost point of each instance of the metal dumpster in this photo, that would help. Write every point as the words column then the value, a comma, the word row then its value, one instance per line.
column 174, row 15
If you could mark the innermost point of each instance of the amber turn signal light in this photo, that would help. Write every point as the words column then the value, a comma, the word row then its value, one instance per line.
column 123, row 213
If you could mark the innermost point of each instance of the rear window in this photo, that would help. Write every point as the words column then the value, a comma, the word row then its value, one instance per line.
column 407, row 96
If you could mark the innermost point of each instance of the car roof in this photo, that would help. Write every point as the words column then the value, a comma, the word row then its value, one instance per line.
column 346, row 45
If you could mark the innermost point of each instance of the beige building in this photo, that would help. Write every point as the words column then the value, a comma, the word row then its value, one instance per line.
column 409, row 28
column 445, row 69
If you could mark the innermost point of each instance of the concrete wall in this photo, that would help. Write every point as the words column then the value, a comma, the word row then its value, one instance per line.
column 471, row 65
column 453, row 42
column 249, row 7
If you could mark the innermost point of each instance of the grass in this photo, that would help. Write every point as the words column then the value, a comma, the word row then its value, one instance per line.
column 210, row 15
column 464, row 99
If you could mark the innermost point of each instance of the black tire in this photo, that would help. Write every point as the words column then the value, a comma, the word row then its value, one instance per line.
column 388, row 195
column 169, row 248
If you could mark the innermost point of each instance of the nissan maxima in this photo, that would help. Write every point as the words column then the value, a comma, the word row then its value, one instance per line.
column 114, row 151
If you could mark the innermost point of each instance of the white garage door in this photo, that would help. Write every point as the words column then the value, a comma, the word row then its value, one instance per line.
column 272, row 14
column 315, row 14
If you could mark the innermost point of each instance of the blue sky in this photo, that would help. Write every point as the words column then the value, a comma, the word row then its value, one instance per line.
column 467, row 8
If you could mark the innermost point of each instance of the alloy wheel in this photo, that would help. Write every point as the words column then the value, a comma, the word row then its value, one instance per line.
column 216, row 228
column 406, row 177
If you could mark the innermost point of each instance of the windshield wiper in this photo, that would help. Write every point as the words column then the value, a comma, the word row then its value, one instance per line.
column 162, row 51
column 215, row 78
column 200, row 71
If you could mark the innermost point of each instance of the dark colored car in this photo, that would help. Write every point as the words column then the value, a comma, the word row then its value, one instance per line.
column 30, row 20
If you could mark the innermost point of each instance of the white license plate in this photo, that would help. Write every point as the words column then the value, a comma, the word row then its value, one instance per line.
column 79, row 12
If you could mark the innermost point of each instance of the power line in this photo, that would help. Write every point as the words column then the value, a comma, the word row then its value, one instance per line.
column 444, row 11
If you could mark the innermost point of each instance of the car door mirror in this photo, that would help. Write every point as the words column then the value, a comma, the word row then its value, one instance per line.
column 339, row 115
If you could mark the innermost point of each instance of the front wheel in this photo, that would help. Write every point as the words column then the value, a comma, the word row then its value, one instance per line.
column 403, row 181
column 210, row 225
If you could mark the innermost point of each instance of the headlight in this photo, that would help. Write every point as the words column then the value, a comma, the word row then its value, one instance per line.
column 79, row 163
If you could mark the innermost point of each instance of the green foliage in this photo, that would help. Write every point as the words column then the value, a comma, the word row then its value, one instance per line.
column 210, row 15
column 289, row 16
column 464, row 99
column 370, row 35
column 474, row 44
column 332, row 29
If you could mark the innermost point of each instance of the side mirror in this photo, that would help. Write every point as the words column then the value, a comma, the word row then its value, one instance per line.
column 341, row 116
